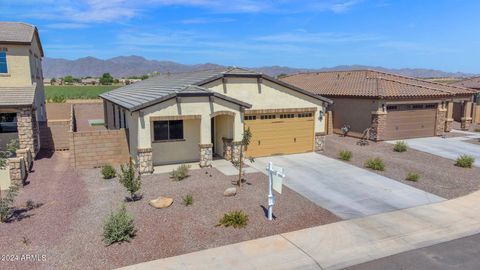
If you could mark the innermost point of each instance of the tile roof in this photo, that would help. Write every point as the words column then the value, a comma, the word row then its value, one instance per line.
column 17, row 96
column 166, row 86
column 16, row 32
column 473, row 83
column 371, row 83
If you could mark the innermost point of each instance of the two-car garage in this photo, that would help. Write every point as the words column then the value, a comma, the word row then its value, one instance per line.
column 410, row 121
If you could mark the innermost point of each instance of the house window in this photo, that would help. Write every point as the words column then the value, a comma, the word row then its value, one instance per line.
column 304, row 115
column 417, row 106
column 289, row 115
column 8, row 122
column 168, row 130
column 3, row 62
column 430, row 106
column 392, row 107
column 267, row 116
column 250, row 117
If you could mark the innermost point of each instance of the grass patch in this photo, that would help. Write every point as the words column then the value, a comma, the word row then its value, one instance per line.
column 345, row 155
column 236, row 219
column 61, row 92
column 465, row 161
column 400, row 146
column 187, row 200
column 375, row 164
column 180, row 173
column 412, row 176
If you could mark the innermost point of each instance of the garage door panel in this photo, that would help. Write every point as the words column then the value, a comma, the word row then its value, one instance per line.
column 280, row 136
column 410, row 124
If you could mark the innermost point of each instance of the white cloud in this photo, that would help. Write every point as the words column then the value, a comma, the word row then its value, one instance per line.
column 67, row 25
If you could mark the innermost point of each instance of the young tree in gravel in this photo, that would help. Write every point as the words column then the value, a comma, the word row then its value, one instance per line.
column 247, row 137
column 130, row 179
column 7, row 202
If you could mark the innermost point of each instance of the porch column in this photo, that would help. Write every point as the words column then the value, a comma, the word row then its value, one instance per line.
column 440, row 119
column 28, row 130
column 320, row 141
column 205, row 146
column 449, row 117
column 377, row 128
column 145, row 160
column 466, row 119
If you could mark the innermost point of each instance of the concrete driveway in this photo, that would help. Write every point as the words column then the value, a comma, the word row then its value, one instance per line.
column 449, row 148
column 345, row 190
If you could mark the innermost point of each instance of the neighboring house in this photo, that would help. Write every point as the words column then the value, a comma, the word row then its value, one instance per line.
column 383, row 106
column 472, row 83
column 90, row 81
column 187, row 117
column 22, row 98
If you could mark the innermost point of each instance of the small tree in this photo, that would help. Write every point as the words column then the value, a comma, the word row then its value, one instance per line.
column 130, row 179
column 53, row 81
column 247, row 137
column 106, row 79
column 68, row 79
column 12, row 146
column 7, row 202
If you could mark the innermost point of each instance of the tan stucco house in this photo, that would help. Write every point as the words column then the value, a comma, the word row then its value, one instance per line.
column 383, row 106
column 22, row 98
column 187, row 117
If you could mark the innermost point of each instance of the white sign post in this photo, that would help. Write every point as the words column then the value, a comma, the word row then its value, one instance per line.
column 274, row 175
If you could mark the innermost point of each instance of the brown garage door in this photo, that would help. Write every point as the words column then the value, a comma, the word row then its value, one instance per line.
column 276, row 134
column 410, row 121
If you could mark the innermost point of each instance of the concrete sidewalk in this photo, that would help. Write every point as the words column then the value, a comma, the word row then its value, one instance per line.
column 341, row 244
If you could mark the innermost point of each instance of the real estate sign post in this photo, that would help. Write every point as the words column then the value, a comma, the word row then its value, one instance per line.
column 275, row 176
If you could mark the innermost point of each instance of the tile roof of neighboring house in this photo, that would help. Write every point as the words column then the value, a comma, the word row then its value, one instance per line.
column 17, row 96
column 18, row 32
column 371, row 83
column 166, row 86
column 473, row 83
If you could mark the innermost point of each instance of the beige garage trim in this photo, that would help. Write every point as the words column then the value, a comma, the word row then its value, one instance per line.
column 403, row 123
column 287, row 133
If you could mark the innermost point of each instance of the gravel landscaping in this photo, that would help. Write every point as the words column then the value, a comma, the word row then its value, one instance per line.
column 67, row 227
column 437, row 175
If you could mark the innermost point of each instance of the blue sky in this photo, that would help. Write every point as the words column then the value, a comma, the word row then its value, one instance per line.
column 442, row 34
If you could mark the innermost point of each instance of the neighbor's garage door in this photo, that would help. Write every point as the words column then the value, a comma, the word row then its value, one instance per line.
column 410, row 121
column 276, row 134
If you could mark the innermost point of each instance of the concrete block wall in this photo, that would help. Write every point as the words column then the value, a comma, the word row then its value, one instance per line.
column 55, row 135
column 97, row 148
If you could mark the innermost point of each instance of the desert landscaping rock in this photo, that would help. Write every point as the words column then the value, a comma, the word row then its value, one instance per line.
column 161, row 202
column 229, row 192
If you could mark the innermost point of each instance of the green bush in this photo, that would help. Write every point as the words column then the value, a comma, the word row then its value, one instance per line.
column 375, row 164
column 6, row 202
column 400, row 146
column 108, row 172
column 188, row 200
column 236, row 219
column 465, row 161
column 412, row 176
column 118, row 227
column 12, row 146
column 477, row 130
column 130, row 179
column 180, row 173
column 345, row 155
column 59, row 99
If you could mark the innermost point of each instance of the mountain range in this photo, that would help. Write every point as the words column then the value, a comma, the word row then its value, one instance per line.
column 124, row 66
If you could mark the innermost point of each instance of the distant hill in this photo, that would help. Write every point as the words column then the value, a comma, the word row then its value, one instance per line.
column 123, row 66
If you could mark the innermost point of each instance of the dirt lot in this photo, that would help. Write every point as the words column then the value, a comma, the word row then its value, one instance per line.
column 438, row 175
column 67, row 228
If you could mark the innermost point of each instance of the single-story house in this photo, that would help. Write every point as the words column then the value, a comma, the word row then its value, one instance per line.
column 187, row 117
column 383, row 106
column 472, row 83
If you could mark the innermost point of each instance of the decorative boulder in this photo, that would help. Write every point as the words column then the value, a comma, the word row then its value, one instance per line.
column 230, row 192
column 161, row 202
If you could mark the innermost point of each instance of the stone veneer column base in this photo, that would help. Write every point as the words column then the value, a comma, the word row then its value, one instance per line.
column 440, row 125
column 28, row 130
column 448, row 125
column 206, row 155
column 17, row 170
column 227, row 148
column 377, row 128
column 465, row 123
column 145, row 160
column 319, row 141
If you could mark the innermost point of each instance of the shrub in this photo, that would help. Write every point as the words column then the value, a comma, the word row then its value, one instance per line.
column 375, row 164
column 400, row 146
column 180, row 173
column 108, row 172
column 118, row 227
column 59, row 99
column 7, row 202
column 465, row 161
column 12, row 146
column 130, row 179
column 188, row 200
column 345, row 155
column 412, row 176
column 477, row 130
column 236, row 219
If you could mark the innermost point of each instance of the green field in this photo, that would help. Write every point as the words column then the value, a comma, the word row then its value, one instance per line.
column 77, row 92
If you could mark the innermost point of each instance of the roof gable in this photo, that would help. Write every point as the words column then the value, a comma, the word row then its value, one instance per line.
column 19, row 33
